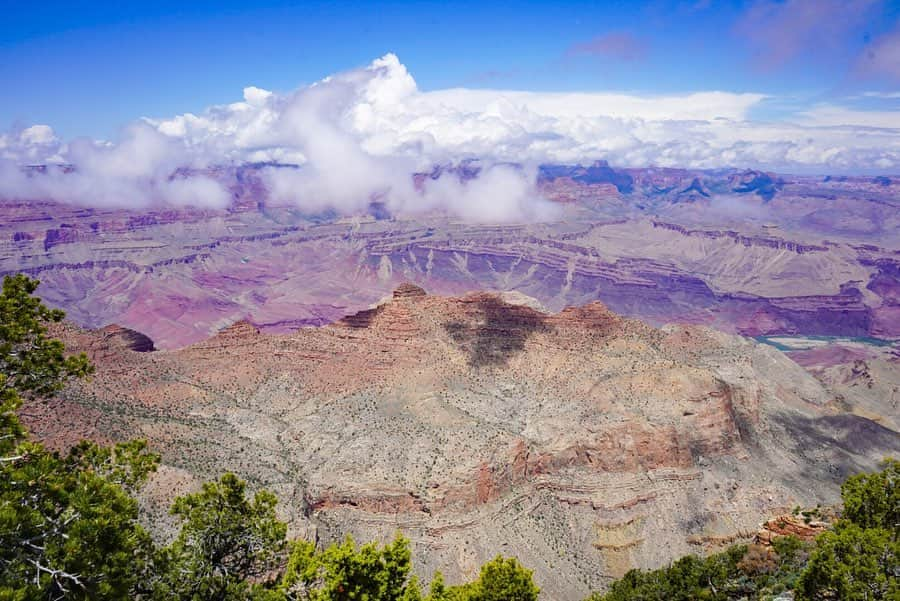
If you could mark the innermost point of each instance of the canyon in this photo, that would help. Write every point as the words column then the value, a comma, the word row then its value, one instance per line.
column 582, row 442
column 745, row 252
column 668, row 362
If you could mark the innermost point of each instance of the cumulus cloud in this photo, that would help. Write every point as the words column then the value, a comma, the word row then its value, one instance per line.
column 337, row 170
column 37, row 143
column 377, row 122
column 357, row 137
column 139, row 170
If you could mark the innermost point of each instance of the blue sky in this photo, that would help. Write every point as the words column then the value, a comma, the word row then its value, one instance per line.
column 88, row 68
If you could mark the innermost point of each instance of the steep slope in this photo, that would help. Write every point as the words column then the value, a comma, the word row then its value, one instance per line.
column 582, row 442
column 744, row 252
column 865, row 378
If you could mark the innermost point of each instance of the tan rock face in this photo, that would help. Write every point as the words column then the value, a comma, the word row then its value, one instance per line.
column 582, row 442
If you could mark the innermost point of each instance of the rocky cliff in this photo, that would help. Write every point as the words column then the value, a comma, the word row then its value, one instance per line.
column 745, row 252
column 582, row 442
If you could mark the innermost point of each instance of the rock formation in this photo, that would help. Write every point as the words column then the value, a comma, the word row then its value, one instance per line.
column 582, row 442
column 744, row 252
column 806, row 529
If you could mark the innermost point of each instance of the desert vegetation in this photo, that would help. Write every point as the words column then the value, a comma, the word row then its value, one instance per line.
column 70, row 525
column 857, row 559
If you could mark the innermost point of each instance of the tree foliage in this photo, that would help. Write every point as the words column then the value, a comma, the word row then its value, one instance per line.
column 11, row 430
column 30, row 362
column 853, row 563
column 68, row 529
column 344, row 572
column 873, row 500
column 860, row 558
column 227, row 543
column 501, row 578
column 740, row 572
column 504, row 579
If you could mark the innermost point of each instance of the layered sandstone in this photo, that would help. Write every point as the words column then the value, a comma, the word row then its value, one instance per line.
column 806, row 529
column 744, row 251
column 582, row 442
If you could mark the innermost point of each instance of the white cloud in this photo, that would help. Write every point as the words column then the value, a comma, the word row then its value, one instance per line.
column 136, row 171
column 884, row 95
column 256, row 96
column 352, row 154
column 359, row 135
column 197, row 191
column 500, row 194
column 700, row 105
column 829, row 115
column 34, row 144
column 378, row 112
column 38, row 135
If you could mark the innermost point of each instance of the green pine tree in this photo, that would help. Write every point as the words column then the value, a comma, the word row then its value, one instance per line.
column 68, row 528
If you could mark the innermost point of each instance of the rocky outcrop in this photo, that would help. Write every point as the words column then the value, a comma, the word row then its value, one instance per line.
column 582, row 442
column 598, row 172
column 407, row 290
column 762, row 184
column 67, row 234
column 127, row 338
column 695, row 188
column 239, row 333
column 748, row 241
column 806, row 529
